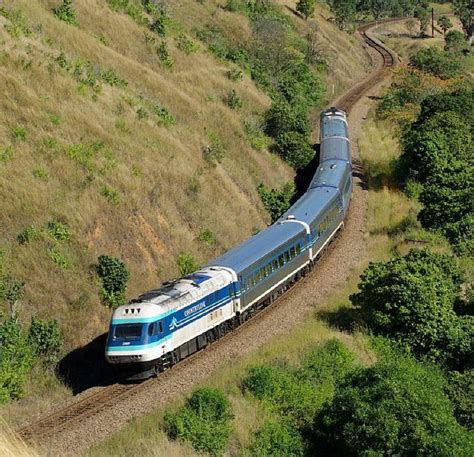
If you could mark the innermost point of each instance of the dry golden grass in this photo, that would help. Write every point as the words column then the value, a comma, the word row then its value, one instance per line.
column 13, row 446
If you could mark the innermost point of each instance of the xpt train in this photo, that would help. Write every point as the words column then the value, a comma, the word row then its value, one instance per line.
column 165, row 325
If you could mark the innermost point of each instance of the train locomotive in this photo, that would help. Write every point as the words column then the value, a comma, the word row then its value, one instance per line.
column 165, row 325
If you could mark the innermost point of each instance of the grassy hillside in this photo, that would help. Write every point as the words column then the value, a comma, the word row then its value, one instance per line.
column 101, row 137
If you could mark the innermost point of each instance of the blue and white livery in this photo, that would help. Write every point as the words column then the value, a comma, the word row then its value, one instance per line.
column 165, row 325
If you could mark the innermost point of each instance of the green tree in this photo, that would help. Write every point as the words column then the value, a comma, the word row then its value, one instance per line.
column 344, row 12
column 410, row 299
column 434, row 144
column 114, row 275
column 306, row 7
column 295, row 149
column 423, row 17
column 460, row 390
column 45, row 338
column 465, row 12
column 438, row 63
column 444, row 23
column 276, row 201
column 395, row 407
column 454, row 42
column 204, row 421
column 65, row 12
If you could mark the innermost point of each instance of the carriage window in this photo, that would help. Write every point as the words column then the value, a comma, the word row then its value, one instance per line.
column 292, row 253
column 275, row 265
column 298, row 249
column 281, row 260
column 287, row 256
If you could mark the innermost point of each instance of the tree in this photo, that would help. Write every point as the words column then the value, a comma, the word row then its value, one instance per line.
column 276, row 201
column 460, row 390
column 435, row 143
column 306, row 7
column 438, row 63
column 444, row 24
column 344, row 12
column 423, row 16
column 454, row 42
column 295, row 149
column 410, row 299
column 395, row 407
column 114, row 275
column 411, row 26
column 186, row 264
column 465, row 12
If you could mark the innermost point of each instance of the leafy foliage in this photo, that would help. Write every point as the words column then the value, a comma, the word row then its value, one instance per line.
column 460, row 390
column 186, row 264
column 233, row 100
column 295, row 149
column 65, row 12
column 410, row 299
column 396, row 407
column 275, row 201
column 306, row 7
column 437, row 62
column 455, row 42
column 204, row 421
column 58, row 231
column 114, row 275
column 45, row 337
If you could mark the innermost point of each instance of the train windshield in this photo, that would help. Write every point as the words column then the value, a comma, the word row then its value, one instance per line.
column 128, row 331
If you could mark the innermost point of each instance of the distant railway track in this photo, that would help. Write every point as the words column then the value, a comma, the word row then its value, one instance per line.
column 105, row 398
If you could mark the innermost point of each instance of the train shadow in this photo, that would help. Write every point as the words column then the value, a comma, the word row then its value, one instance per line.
column 86, row 367
column 304, row 175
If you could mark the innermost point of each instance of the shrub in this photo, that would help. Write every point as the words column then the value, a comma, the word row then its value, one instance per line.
column 161, row 23
column 275, row 201
column 6, row 153
column 282, row 118
column 255, row 135
column 411, row 300
column 111, row 77
column 233, row 100
column 18, row 25
column 235, row 74
column 58, row 231
column 295, row 149
column 206, row 236
column 213, row 152
column 45, row 338
column 165, row 118
column 41, row 173
column 306, row 7
column 164, row 54
column 114, row 275
column 186, row 264
column 460, row 390
column 65, row 12
column 395, row 407
column 58, row 258
column 16, row 359
column 28, row 234
column 11, row 290
column 455, row 42
column 277, row 439
column 438, row 63
column 19, row 133
column 203, row 421
column 444, row 23
column 110, row 194
column 186, row 45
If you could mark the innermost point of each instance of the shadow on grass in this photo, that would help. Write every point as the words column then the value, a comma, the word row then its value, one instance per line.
column 86, row 367
column 346, row 318
column 305, row 175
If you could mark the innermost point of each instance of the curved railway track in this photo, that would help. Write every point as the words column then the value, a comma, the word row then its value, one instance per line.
column 96, row 402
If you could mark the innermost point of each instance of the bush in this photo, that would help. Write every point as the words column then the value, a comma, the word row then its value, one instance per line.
column 460, row 390
column 28, row 234
column 164, row 55
column 455, row 42
column 110, row 194
column 276, row 201
column 204, row 421
column 436, row 62
column 282, row 118
column 186, row 264
column 411, row 300
column 114, row 275
column 65, row 12
column 233, row 100
column 186, row 45
column 58, row 231
column 295, row 149
column 165, row 118
column 58, row 258
column 235, row 74
column 45, row 338
column 19, row 133
column 111, row 77
column 206, row 236
column 395, row 407
column 16, row 359
column 161, row 23
column 277, row 439
column 255, row 135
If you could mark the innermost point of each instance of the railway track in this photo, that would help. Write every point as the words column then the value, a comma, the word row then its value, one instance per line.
column 97, row 402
